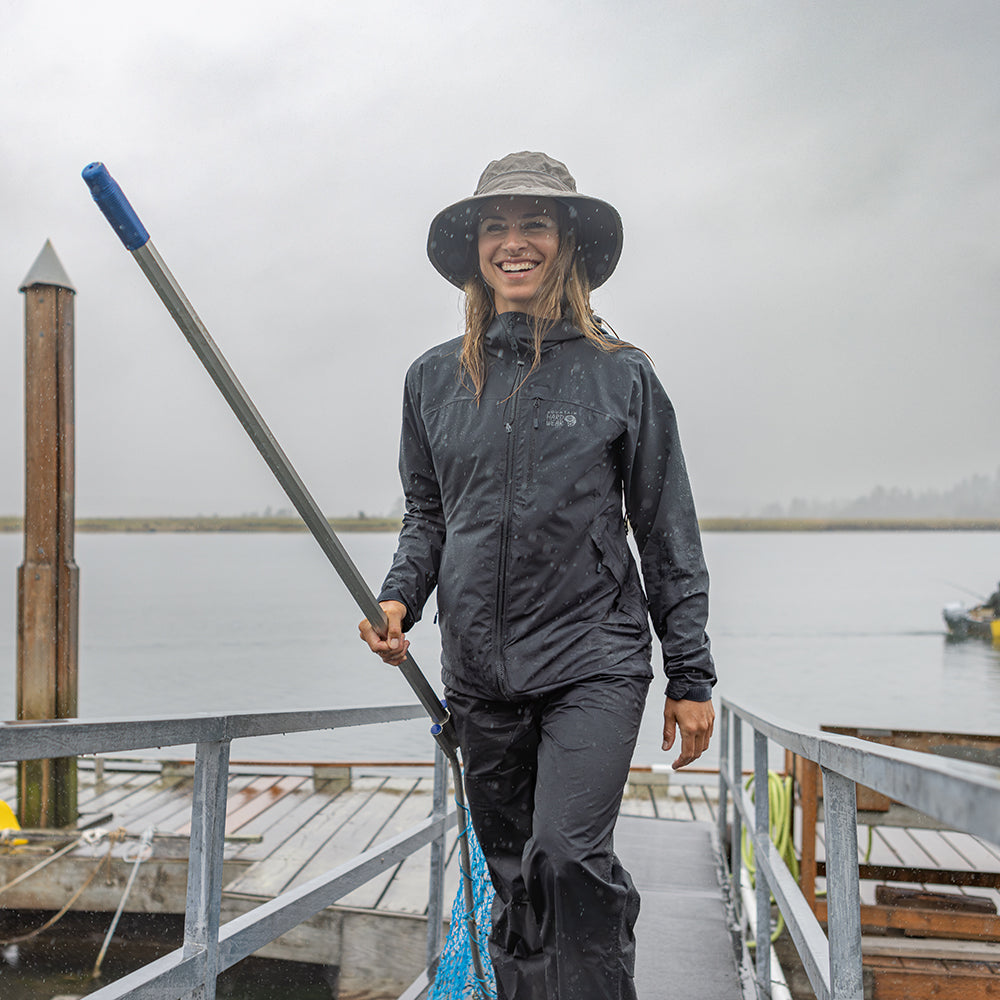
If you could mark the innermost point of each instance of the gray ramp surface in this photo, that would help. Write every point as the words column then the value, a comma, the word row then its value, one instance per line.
column 684, row 947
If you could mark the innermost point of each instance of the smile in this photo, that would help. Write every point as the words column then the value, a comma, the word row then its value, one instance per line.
column 512, row 266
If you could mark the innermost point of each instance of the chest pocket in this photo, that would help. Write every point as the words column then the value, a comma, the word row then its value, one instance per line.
column 568, row 443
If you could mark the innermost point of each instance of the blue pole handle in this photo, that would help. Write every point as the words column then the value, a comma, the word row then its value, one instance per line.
column 112, row 202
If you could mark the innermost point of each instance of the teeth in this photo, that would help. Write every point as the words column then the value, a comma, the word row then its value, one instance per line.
column 525, row 265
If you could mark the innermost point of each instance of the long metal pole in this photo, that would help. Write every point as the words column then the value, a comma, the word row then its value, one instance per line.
column 116, row 208
column 124, row 220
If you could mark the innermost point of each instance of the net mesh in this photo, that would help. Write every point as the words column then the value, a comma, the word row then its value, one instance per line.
column 456, row 977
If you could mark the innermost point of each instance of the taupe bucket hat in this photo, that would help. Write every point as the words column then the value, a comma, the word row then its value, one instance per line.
column 452, row 243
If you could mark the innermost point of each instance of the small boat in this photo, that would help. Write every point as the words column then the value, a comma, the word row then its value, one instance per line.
column 979, row 622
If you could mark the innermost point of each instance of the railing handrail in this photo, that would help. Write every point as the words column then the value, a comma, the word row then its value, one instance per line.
column 34, row 740
column 963, row 794
column 209, row 948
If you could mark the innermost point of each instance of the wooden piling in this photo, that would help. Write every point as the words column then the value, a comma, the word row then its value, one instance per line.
column 48, row 580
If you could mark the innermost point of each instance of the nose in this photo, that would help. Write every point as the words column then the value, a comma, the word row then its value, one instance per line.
column 514, row 240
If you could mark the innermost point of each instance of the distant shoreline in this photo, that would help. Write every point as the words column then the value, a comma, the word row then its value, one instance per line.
column 352, row 524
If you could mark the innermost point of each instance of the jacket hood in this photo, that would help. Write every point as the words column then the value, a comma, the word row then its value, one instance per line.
column 513, row 329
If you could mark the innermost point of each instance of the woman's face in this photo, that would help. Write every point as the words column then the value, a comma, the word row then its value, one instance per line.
column 518, row 244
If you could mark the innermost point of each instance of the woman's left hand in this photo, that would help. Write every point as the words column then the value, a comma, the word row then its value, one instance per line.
column 696, row 720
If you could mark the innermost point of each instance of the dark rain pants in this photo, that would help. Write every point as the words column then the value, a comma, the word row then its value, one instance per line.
column 544, row 780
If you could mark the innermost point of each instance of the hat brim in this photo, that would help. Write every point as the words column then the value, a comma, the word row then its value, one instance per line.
column 453, row 246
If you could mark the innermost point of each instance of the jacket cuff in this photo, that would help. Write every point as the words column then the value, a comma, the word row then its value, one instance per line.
column 393, row 595
column 685, row 690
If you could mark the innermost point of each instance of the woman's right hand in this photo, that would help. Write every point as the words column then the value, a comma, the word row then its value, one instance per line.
column 393, row 647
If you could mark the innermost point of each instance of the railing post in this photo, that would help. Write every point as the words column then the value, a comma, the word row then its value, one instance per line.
column 762, row 827
column 725, row 775
column 435, row 898
column 840, row 815
column 736, row 833
column 204, row 886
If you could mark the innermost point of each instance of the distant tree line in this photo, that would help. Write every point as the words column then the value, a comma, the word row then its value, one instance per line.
column 975, row 497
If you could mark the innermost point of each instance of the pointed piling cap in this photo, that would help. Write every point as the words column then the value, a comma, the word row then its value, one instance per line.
column 47, row 270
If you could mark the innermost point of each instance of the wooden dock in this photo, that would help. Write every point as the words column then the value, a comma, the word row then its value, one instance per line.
column 285, row 824
column 939, row 940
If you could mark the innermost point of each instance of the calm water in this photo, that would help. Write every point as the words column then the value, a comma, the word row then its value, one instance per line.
column 840, row 628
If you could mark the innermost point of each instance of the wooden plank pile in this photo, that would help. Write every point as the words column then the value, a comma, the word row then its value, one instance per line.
column 930, row 896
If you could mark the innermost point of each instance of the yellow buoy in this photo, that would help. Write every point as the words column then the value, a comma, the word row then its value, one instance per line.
column 8, row 821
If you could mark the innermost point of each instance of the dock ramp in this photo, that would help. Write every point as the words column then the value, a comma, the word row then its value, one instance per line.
column 686, row 941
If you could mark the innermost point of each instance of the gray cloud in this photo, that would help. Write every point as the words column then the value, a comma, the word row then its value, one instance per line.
column 810, row 198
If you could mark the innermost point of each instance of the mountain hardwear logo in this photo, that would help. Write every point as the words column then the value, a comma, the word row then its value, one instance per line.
column 560, row 418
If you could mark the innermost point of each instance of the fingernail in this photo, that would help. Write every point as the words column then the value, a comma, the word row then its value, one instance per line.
column 393, row 643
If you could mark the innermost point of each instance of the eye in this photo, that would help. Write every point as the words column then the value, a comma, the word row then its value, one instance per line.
column 492, row 227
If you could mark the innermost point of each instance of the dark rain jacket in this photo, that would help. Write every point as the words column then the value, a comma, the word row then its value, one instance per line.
column 514, row 510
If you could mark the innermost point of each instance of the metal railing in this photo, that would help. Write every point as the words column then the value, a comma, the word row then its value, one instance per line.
column 209, row 947
column 962, row 795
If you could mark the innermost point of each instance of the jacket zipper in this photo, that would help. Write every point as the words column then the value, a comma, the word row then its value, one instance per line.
column 510, row 426
column 531, row 440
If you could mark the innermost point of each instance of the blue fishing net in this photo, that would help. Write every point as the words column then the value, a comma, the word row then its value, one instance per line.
column 456, row 977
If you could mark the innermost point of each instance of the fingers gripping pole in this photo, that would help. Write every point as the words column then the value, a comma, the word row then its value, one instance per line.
column 125, row 222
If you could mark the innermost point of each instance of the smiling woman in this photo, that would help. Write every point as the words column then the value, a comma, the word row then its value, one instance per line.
column 523, row 444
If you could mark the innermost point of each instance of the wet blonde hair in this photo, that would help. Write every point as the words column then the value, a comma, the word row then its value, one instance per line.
column 563, row 294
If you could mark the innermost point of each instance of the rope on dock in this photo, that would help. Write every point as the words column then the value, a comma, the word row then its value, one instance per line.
column 90, row 837
column 48, row 861
column 143, row 850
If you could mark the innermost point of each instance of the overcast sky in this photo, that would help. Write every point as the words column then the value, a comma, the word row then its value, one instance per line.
column 810, row 193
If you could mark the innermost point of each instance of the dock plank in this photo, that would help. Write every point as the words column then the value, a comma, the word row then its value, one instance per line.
column 357, row 833
column 891, row 846
column 287, row 817
column 415, row 806
column 990, row 846
column 180, row 821
column 939, row 850
column 89, row 787
column 164, row 811
column 263, row 800
column 407, row 892
column 972, row 850
column 113, row 794
column 270, row 876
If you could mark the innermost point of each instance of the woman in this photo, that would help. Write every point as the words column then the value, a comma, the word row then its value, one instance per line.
column 521, row 443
